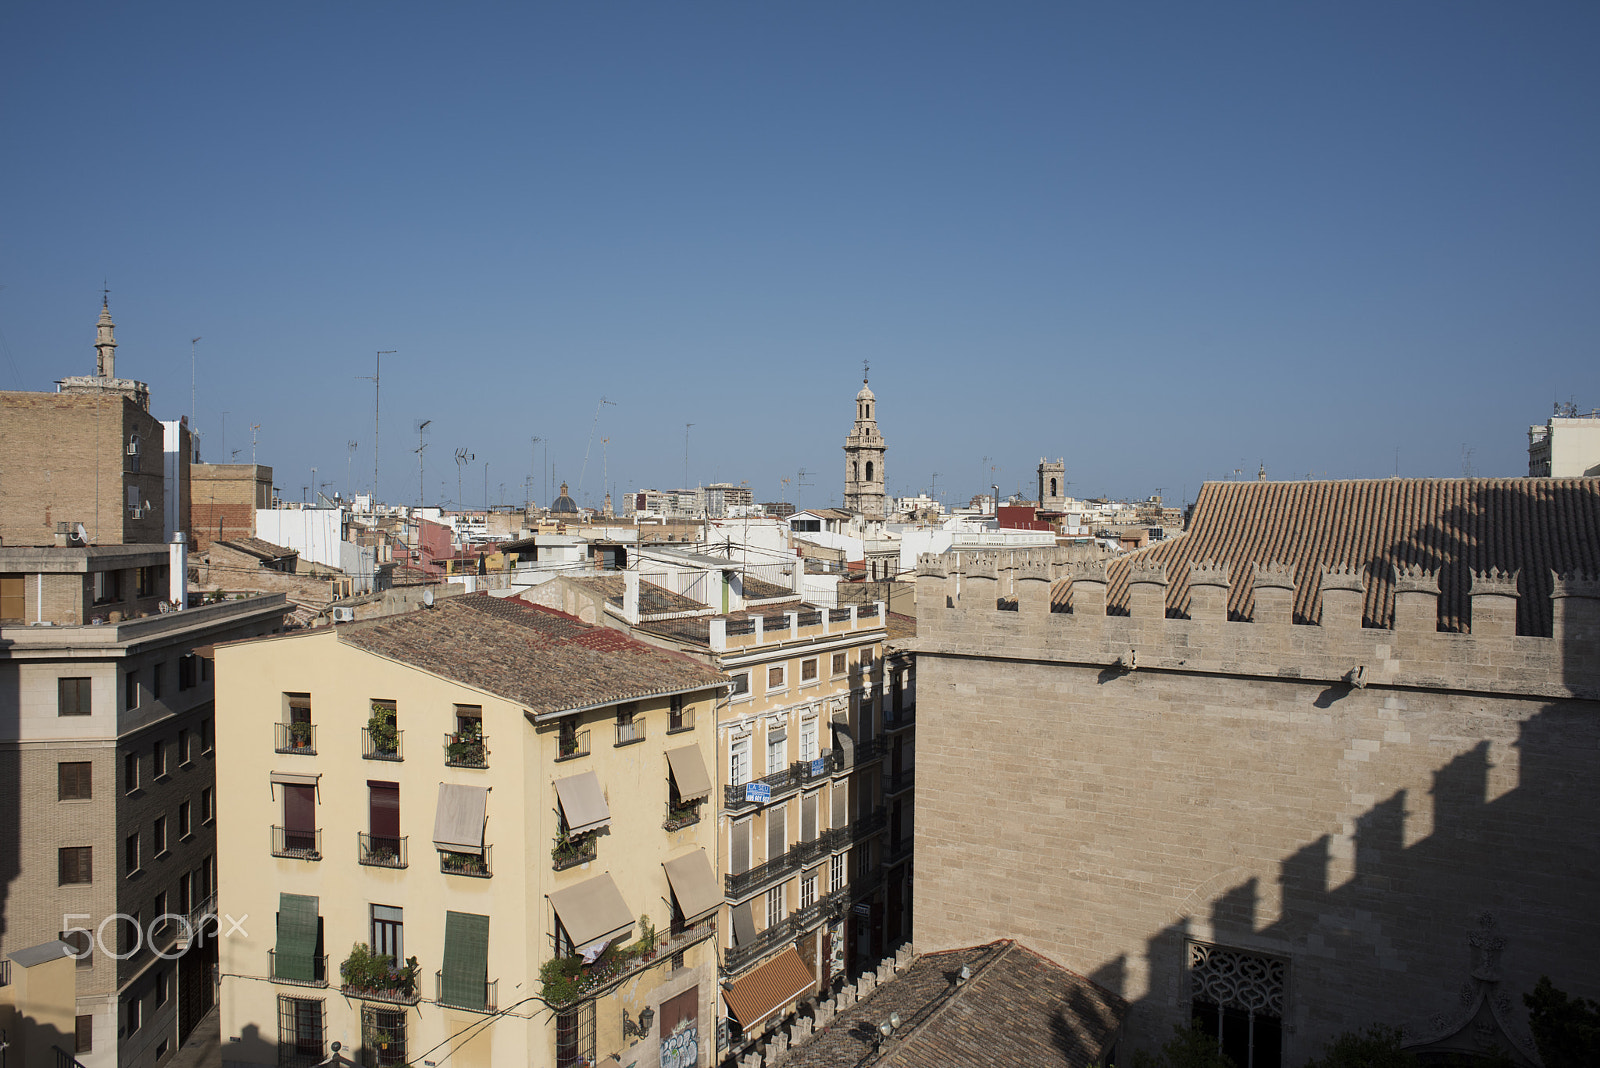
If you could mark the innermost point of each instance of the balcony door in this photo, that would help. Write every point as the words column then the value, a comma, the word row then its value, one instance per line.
column 383, row 814
column 300, row 817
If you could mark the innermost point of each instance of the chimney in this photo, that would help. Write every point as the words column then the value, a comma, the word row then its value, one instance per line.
column 178, row 570
column 630, row 597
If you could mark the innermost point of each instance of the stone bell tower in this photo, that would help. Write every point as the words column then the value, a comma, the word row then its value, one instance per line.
column 863, row 459
column 1052, row 485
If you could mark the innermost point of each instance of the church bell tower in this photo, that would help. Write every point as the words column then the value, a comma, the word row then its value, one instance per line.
column 863, row 459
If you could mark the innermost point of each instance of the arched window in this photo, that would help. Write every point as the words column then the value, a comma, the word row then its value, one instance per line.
column 869, row 470
column 1052, row 487
column 855, row 471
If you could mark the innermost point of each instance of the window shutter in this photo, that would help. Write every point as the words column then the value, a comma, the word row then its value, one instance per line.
column 466, row 959
column 297, row 937
column 808, row 817
column 740, row 833
column 777, row 832
column 841, row 807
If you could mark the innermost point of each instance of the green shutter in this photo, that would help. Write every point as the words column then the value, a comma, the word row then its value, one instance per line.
column 297, row 937
column 466, row 959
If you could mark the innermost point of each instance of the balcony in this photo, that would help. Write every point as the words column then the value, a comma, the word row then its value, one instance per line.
column 319, row 971
column 778, row 934
column 297, row 845
column 297, row 739
column 681, row 720
column 571, row 746
column 824, row 908
column 899, row 782
column 747, row 881
column 381, row 851
column 899, row 852
column 628, row 733
column 490, row 1002
column 612, row 967
column 906, row 717
column 466, row 749
column 681, row 816
column 871, row 823
column 571, row 853
column 469, row 864
column 381, row 747
column 788, row 780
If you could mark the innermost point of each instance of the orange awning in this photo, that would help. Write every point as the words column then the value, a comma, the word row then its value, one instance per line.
column 768, row 988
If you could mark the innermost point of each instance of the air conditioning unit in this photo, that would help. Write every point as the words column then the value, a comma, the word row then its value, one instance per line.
column 344, row 614
column 133, row 449
column 135, row 513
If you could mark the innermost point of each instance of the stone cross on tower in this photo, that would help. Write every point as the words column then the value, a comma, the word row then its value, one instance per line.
column 105, row 344
column 863, row 458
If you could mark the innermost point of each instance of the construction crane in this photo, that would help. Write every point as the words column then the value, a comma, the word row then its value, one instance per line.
column 585, row 468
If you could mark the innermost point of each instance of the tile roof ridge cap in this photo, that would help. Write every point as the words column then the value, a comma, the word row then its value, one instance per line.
column 1073, row 972
column 1000, row 947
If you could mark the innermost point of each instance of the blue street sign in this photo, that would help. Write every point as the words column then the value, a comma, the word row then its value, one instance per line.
column 816, row 766
column 757, row 791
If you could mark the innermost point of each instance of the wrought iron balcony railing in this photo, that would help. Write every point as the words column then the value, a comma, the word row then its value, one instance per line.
column 381, row 851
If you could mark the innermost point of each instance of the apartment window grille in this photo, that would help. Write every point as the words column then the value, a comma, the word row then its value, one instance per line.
column 73, row 697
column 739, row 761
column 575, row 1037
column 836, row 873
column 1239, row 997
column 775, row 906
column 383, row 1037
column 300, row 1032
column 808, row 670
column 808, row 891
column 74, row 865
column 75, row 781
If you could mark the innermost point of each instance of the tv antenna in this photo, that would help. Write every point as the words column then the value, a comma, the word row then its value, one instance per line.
column 605, row 464
column 686, row 427
column 585, row 468
column 533, row 467
column 192, row 343
column 254, row 429
column 422, row 494
column 349, row 465
column 463, row 458
column 800, row 483
column 377, row 372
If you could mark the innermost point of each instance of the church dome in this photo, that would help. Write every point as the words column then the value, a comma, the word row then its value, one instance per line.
column 564, row 503
column 866, row 392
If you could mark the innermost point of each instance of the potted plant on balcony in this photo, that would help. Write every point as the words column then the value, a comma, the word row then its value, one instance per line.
column 572, row 849
column 299, row 735
column 560, row 978
column 381, row 730
column 467, row 747
column 368, row 974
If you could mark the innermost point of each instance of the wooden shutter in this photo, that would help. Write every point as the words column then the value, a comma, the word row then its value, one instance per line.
column 383, row 804
column 841, row 806
column 299, row 808
column 13, row 597
column 777, row 831
column 808, row 817
column 740, row 833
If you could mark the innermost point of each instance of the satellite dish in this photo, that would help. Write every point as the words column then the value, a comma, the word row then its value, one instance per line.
column 427, row 597
column 165, row 607
column 83, row 535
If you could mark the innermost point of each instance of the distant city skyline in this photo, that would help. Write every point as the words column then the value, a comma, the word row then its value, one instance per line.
column 1166, row 243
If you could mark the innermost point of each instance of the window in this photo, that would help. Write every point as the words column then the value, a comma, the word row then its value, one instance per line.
column 836, row 873
column 808, row 817
column 72, row 697
column 739, row 761
column 130, row 689
column 383, row 1036
column 388, row 932
column 808, row 739
column 206, row 728
column 864, row 860
column 300, row 1031
column 107, row 588
column 841, row 664
column 158, row 759
column 130, row 772
column 185, row 758
column 144, row 582
column 132, row 1014
column 74, row 865
column 777, row 749
column 741, row 685
column 808, row 891
column 156, row 671
column 777, row 832
column 1239, row 998
column 208, row 809
column 739, row 846
column 158, row 836
column 808, row 670
column 185, row 820
column 629, row 727
column 81, row 944
column 775, row 906
column 575, row 1036
column 186, row 672
column 299, row 819
column 676, row 720
column 160, row 911
column 74, row 781
column 130, row 853
column 84, row 1036
column 775, row 677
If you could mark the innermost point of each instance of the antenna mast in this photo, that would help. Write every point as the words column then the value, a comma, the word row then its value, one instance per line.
column 585, row 468
column 377, row 372
column 422, row 494
column 254, row 429
column 192, row 342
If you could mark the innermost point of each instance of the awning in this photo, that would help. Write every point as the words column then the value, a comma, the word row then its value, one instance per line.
column 689, row 772
column 744, row 924
column 464, row 974
column 694, row 884
column 592, row 910
column 292, row 778
column 458, row 821
column 583, row 803
column 770, row 987
column 295, row 955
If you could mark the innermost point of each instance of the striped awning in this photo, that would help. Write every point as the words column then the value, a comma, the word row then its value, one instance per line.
column 768, row 988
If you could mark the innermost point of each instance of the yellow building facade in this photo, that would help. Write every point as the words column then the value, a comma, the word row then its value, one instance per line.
column 513, row 807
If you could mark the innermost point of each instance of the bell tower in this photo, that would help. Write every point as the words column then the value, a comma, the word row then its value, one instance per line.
column 105, row 342
column 1052, row 485
column 863, row 458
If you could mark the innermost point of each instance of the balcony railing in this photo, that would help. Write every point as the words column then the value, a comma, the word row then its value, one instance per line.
column 465, row 864
column 573, row 853
column 825, row 907
column 380, row 749
column 65, row 1059
column 899, row 782
column 296, row 738
column 680, row 816
column 778, row 934
column 628, row 733
column 491, row 996
column 683, row 720
column 761, row 874
column 906, row 717
column 300, row 845
column 787, row 780
column 871, row 823
column 898, row 851
column 381, row 851
column 319, row 971
column 619, row 968
column 572, row 746
column 466, row 750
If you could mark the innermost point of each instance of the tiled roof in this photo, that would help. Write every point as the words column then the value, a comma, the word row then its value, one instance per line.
column 260, row 549
column 652, row 598
column 1449, row 525
column 1017, row 1008
column 542, row 659
column 761, row 590
column 898, row 627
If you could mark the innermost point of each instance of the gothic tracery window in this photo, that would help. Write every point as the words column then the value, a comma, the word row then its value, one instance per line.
column 1239, row 997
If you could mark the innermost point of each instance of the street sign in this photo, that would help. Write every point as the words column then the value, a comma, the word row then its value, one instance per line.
column 757, row 791
column 861, row 908
column 816, row 766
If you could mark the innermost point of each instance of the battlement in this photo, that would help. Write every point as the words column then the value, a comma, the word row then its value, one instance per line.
column 960, row 598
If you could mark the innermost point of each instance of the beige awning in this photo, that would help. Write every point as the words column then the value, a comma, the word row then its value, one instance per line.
column 592, row 910
column 767, row 988
column 583, row 803
column 458, row 821
column 694, row 884
column 294, row 778
column 689, row 772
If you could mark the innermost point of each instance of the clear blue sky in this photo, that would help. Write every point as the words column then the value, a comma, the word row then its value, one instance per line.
column 1163, row 241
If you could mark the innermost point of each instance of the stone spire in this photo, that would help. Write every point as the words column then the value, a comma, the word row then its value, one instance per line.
column 863, row 459
column 105, row 343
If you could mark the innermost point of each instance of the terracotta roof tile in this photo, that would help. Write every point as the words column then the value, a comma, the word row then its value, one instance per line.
column 652, row 598
column 1453, row 526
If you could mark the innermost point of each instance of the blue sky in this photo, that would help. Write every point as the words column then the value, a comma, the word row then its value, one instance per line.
column 1164, row 241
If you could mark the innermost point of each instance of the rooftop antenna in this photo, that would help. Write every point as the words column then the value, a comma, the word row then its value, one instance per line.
column 377, row 372
column 686, row 427
column 605, row 464
column 222, row 446
column 463, row 458
column 585, row 468
column 800, row 483
column 255, row 428
column 234, row 455
column 422, row 494
column 533, row 465
column 933, row 487
column 192, row 342
column 349, row 466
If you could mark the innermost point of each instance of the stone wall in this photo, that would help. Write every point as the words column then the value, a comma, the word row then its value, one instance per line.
column 1384, row 810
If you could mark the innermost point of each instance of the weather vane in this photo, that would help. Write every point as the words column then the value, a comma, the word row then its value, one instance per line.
column 866, row 371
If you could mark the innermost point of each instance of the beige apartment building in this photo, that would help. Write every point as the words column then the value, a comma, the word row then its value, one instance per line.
column 814, row 768
column 506, row 805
